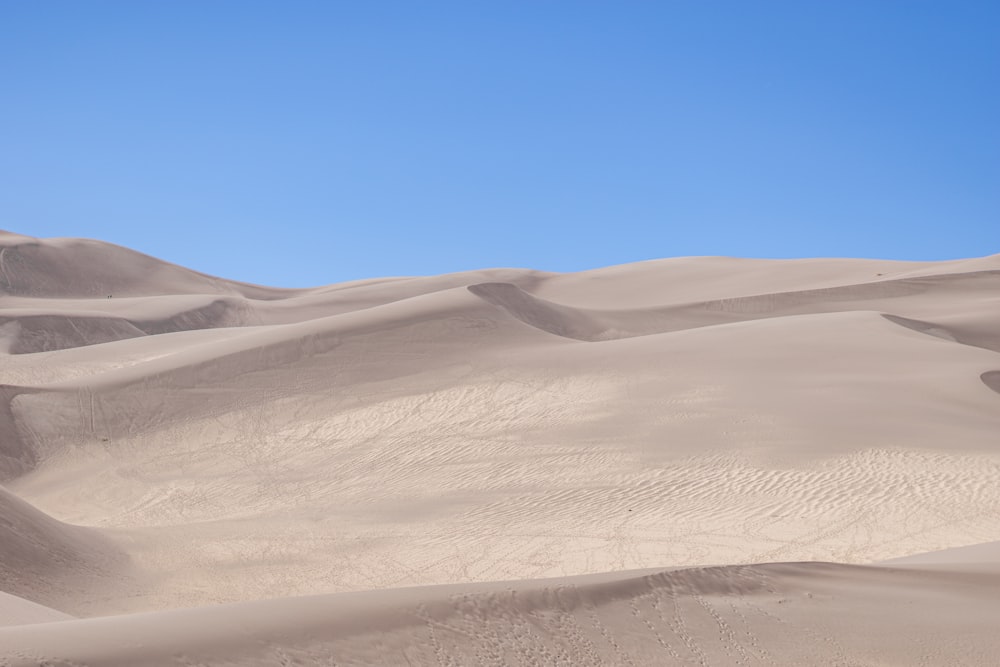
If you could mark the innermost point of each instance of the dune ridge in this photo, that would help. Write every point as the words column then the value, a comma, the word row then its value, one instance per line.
column 689, row 460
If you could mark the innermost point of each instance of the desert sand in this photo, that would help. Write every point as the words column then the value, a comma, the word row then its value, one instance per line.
column 691, row 461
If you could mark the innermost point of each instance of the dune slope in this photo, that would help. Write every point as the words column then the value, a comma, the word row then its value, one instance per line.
column 783, row 613
column 48, row 561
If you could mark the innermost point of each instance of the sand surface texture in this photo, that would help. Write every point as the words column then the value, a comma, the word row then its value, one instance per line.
column 704, row 461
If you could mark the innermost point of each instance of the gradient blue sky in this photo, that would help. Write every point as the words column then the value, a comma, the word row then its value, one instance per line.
column 296, row 143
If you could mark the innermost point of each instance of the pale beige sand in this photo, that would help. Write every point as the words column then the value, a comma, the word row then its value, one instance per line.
column 194, row 441
column 774, row 614
column 18, row 611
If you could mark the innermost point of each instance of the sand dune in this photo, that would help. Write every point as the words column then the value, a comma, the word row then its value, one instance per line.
column 46, row 560
column 81, row 268
column 992, row 380
column 745, row 423
column 18, row 611
column 783, row 613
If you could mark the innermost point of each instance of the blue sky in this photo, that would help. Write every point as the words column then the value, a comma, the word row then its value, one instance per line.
column 299, row 143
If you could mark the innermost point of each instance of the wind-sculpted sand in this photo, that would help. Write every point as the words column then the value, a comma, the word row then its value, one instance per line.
column 688, row 461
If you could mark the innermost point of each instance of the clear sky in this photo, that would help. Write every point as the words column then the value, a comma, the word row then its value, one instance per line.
column 297, row 143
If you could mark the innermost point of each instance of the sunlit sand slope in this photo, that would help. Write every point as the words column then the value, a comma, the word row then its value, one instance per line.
column 192, row 441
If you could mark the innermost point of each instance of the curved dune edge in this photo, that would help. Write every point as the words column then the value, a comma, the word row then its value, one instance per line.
column 539, row 313
column 973, row 333
column 779, row 613
column 992, row 380
column 590, row 325
column 928, row 328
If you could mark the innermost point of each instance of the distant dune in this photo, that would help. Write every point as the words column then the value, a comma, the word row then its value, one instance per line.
column 705, row 461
